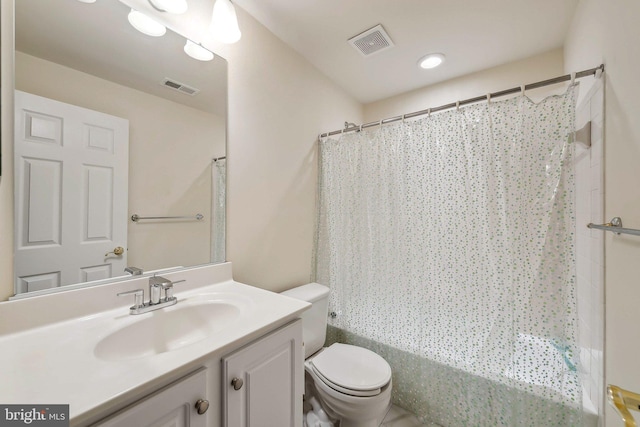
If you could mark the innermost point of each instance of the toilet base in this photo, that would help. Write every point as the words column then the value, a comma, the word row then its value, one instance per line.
column 349, row 411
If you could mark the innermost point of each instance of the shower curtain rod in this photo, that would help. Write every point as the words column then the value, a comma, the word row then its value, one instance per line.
column 566, row 77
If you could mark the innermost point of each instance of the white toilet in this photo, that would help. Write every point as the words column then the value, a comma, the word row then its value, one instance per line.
column 353, row 384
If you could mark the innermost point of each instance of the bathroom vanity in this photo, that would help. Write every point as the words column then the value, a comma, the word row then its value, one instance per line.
column 226, row 354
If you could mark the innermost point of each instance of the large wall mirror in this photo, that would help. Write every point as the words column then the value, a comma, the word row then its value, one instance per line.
column 111, row 123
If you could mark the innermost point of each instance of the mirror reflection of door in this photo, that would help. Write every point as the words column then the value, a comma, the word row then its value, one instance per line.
column 71, row 174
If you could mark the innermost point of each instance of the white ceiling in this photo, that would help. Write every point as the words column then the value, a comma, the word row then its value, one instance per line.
column 473, row 34
column 98, row 39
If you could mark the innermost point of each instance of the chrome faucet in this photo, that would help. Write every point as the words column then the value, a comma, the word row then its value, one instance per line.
column 157, row 284
column 134, row 271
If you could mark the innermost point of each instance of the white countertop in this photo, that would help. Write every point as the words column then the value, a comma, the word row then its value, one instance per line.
column 56, row 363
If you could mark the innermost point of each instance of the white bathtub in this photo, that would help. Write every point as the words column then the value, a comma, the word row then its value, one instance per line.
column 458, row 391
column 533, row 352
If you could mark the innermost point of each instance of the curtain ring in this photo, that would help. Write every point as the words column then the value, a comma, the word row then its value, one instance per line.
column 522, row 88
column 599, row 72
column 360, row 129
column 429, row 112
column 457, row 105
column 403, row 117
column 488, row 98
column 573, row 79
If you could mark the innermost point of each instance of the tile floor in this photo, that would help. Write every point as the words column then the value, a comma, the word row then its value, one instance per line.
column 398, row 417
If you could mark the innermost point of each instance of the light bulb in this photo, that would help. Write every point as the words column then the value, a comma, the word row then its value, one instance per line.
column 146, row 25
column 198, row 52
column 224, row 22
column 431, row 61
column 171, row 6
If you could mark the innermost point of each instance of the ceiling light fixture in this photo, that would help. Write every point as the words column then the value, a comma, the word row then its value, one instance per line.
column 146, row 25
column 431, row 60
column 197, row 51
column 224, row 22
column 172, row 6
column 87, row 1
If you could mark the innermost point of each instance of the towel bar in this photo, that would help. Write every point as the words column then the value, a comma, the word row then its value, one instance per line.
column 615, row 226
column 136, row 217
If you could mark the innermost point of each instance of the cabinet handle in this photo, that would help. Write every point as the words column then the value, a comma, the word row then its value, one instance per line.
column 237, row 383
column 202, row 406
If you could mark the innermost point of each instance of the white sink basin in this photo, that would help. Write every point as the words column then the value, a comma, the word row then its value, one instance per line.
column 189, row 321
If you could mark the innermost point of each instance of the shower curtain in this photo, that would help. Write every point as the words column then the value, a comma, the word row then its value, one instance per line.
column 450, row 239
column 218, row 210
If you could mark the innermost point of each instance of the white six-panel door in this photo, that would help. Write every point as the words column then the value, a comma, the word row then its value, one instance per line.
column 71, row 175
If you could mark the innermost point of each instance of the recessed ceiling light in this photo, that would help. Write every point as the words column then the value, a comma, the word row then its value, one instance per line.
column 431, row 60
column 87, row 1
column 146, row 25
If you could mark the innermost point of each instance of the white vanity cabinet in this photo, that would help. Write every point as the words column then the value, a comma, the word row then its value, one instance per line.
column 259, row 384
column 175, row 405
column 263, row 382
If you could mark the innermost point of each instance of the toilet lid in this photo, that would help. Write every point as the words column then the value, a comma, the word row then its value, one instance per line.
column 352, row 368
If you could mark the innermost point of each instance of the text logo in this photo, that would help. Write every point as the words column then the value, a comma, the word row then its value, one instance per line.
column 34, row 415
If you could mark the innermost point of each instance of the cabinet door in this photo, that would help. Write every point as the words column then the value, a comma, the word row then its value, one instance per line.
column 264, row 381
column 172, row 406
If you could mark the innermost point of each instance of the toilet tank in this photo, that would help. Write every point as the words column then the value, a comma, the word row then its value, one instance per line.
column 314, row 320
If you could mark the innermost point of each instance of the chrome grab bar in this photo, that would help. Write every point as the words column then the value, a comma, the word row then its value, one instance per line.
column 136, row 217
column 615, row 226
column 623, row 400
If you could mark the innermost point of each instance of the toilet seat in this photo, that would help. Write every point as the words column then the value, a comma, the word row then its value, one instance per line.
column 351, row 370
column 357, row 393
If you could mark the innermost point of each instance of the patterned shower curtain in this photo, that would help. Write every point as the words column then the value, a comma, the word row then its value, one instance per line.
column 451, row 239
column 218, row 210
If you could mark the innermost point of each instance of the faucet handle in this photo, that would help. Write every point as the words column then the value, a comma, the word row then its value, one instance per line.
column 168, row 289
column 138, row 297
column 134, row 271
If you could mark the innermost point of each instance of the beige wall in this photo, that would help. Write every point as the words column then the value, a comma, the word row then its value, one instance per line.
column 278, row 104
column 608, row 31
column 513, row 74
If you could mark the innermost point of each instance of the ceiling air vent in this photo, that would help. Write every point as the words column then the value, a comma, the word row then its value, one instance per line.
column 180, row 87
column 371, row 41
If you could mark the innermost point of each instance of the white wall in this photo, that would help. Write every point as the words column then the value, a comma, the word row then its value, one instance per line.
column 589, row 194
column 513, row 74
column 608, row 31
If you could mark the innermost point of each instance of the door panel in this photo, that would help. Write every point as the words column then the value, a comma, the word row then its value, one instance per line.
column 40, row 212
column 98, row 207
column 39, row 282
